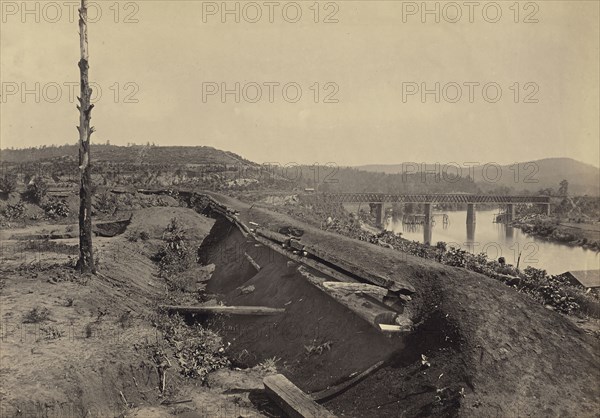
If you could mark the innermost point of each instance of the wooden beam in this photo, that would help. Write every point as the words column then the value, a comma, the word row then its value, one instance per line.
column 368, row 289
column 251, row 261
column 337, row 389
column 231, row 310
column 294, row 402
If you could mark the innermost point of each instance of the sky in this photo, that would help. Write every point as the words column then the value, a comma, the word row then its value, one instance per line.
column 348, row 82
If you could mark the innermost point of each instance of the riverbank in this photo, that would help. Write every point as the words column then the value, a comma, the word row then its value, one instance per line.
column 584, row 235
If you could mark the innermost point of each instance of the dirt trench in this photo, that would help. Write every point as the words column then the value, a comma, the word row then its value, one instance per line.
column 319, row 343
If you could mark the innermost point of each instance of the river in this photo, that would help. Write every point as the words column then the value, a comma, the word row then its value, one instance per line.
column 497, row 240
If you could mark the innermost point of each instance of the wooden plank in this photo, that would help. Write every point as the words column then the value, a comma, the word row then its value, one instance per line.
column 294, row 402
column 251, row 261
column 337, row 389
column 363, row 300
column 391, row 328
column 303, row 260
column 273, row 236
column 369, row 289
column 231, row 310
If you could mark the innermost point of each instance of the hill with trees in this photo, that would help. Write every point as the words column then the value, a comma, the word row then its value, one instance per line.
column 529, row 176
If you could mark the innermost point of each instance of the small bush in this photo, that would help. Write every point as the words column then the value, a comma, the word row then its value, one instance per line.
column 15, row 211
column 8, row 183
column 175, row 256
column 269, row 365
column 131, row 236
column 318, row 349
column 89, row 330
column 106, row 203
column 55, row 208
column 36, row 316
column 199, row 350
column 52, row 333
column 36, row 191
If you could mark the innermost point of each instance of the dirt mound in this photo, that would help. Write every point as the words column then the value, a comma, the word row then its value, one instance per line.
column 111, row 229
column 500, row 353
column 154, row 220
column 82, row 345
column 318, row 341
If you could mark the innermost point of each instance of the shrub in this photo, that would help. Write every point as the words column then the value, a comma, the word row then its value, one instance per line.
column 55, row 208
column 106, row 203
column 175, row 256
column 269, row 365
column 15, row 211
column 199, row 350
column 36, row 191
column 36, row 315
column 132, row 236
column 8, row 182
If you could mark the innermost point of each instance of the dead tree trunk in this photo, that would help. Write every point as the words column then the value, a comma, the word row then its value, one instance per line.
column 85, row 264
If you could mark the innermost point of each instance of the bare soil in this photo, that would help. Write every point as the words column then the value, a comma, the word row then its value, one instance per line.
column 89, row 353
column 491, row 350
column 479, row 347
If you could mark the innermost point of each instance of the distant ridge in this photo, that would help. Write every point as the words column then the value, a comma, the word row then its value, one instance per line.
column 530, row 175
column 584, row 179
column 148, row 154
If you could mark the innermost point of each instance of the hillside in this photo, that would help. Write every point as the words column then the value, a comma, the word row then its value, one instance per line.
column 138, row 154
column 196, row 162
column 531, row 175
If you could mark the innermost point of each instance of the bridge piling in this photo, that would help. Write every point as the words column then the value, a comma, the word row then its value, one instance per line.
column 510, row 212
column 545, row 209
column 428, row 217
column 427, row 233
column 379, row 214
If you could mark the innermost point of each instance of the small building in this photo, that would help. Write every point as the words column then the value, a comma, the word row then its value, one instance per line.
column 589, row 279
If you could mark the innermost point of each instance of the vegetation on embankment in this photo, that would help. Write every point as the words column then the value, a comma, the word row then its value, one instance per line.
column 582, row 234
column 549, row 290
column 197, row 349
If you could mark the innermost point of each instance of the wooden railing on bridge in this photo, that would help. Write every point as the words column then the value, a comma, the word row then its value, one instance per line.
column 430, row 198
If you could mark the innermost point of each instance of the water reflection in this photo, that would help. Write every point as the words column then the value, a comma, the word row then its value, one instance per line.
column 471, row 232
column 510, row 232
column 427, row 233
column 496, row 240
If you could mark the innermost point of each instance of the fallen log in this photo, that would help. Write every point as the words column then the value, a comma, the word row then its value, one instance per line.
column 230, row 310
column 294, row 402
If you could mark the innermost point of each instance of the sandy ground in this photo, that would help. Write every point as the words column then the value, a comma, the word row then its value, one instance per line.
column 90, row 357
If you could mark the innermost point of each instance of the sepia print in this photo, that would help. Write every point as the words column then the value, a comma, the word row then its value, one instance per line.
column 308, row 208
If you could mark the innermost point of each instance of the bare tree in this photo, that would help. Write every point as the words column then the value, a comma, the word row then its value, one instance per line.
column 85, row 264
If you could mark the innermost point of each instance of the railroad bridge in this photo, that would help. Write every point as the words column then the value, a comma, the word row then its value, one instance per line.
column 378, row 201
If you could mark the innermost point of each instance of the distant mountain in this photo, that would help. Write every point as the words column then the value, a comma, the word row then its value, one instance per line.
column 531, row 175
